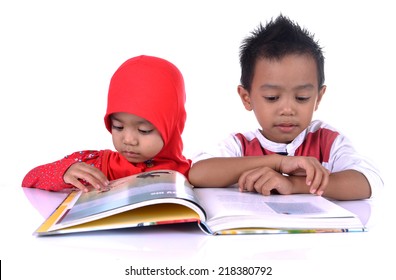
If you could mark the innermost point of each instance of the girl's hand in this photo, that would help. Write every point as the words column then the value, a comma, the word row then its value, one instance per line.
column 90, row 174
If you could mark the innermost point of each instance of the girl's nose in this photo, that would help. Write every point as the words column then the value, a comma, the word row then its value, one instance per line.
column 130, row 138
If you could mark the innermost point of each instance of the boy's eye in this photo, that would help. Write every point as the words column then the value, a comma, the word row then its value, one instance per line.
column 271, row 98
column 302, row 98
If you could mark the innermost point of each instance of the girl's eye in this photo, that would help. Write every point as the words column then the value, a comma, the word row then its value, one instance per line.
column 117, row 127
column 145, row 131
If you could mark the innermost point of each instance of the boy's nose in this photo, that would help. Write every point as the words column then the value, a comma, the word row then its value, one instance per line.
column 287, row 107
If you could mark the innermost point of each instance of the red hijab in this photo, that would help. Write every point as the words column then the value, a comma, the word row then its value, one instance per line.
column 151, row 88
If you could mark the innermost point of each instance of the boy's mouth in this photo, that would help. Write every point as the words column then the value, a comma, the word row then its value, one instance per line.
column 286, row 127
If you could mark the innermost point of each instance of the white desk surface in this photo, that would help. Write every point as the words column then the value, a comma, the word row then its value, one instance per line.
column 110, row 252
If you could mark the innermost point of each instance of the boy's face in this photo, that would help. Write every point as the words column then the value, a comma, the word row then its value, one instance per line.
column 135, row 138
column 283, row 96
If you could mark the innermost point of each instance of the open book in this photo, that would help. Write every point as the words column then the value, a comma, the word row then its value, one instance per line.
column 166, row 197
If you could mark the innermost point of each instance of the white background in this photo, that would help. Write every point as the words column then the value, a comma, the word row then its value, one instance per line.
column 57, row 58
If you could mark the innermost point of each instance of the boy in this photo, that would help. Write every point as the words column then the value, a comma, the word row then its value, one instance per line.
column 282, row 82
column 145, row 116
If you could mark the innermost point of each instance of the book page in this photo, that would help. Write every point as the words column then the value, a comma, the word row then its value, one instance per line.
column 128, row 193
column 219, row 202
column 232, row 212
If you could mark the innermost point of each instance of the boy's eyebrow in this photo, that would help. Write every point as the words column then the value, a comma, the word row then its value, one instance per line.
column 299, row 87
column 270, row 86
column 305, row 86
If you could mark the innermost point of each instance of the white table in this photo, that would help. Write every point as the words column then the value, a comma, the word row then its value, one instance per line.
column 109, row 253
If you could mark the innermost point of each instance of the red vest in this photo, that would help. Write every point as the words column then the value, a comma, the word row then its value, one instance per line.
column 316, row 144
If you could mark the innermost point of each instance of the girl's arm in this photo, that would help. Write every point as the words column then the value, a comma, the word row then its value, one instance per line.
column 50, row 176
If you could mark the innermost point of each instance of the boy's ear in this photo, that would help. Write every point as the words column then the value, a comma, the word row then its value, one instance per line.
column 321, row 93
column 245, row 97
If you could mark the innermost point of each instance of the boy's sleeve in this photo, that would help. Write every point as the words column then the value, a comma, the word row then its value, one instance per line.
column 50, row 176
column 229, row 147
column 345, row 157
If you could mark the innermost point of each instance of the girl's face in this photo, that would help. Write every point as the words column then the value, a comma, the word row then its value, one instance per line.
column 284, row 96
column 135, row 138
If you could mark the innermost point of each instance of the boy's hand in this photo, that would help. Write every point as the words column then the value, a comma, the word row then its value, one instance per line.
column 317, row 177
column 263, row 180
column 90, row 174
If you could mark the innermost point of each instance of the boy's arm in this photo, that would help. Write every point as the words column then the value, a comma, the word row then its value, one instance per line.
column 353, row 176
column 342, row 185
column 225, row 171
column 246, row 171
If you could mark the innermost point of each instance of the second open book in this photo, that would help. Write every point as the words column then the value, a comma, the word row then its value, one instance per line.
column 166, row 197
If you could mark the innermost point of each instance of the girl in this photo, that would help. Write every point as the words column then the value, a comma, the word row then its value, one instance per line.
column 145, row 116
